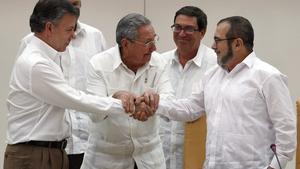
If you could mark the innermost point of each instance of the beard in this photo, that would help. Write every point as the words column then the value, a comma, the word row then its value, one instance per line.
column 222, row 61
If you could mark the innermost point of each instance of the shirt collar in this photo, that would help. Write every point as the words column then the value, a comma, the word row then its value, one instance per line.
column 197, row 59
column 199, row 56
column 116, row 57
column 45, row 48
column 80, row 29
column 249, row 60
column 152, row 62
column 117, row 61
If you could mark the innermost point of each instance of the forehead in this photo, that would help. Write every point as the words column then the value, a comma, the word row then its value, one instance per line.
column 186, row 20
column 146, row 32
column 222, row 30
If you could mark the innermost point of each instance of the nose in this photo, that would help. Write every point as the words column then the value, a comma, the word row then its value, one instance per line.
column 182, row 32
column 214, row 45
column 153, row 47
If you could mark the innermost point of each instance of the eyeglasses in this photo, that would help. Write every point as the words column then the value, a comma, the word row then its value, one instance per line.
column 186, row 29
column 219, row 39
column 149, row 43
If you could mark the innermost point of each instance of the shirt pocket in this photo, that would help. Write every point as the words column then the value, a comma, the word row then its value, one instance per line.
column 151, row 79
column 154, row 159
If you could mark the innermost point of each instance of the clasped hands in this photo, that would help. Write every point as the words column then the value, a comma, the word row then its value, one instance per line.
column 139, row 107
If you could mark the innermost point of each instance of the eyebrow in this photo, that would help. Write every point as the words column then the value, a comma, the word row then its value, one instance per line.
column 185, row 25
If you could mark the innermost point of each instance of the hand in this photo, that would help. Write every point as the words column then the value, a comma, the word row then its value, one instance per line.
column 142, row 111
column 127, row 99
column 151, row 99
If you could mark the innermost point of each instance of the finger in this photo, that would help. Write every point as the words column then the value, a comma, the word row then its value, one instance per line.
column 139, row 100
column 146, row 98
column 142, row 116
column 151, row 111
column 127, row 104
column 136, row 115
column 131, row 103
column 124, row 105
column 146, row 110
column 151, row 100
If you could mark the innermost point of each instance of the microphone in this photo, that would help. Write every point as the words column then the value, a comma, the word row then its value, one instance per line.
column 273, row 148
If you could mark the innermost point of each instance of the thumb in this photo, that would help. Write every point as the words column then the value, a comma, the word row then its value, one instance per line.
column 139, row 100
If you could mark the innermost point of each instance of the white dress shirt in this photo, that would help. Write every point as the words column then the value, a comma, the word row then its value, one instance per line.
column 182, row 79
column 88, row 41
column 117, row 141
column 247, row 109
column 39, row 95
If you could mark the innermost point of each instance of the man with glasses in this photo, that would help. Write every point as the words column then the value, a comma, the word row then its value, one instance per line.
column 127, row 71
column 247, row 104
column 186, row 66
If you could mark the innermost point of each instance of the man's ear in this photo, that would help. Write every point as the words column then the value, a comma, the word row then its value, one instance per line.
column 239, row 43
column 48, row 28
column 202, row 33
column 124, row 42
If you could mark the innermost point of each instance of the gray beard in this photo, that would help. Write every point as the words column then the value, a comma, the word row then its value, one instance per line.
column 225, row 59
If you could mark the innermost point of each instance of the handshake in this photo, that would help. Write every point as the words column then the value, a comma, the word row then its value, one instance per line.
column 139, row 107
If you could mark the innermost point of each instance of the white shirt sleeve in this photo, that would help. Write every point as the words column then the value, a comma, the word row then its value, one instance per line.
column 188, row 109
column 282, row 116
column 95, row 82
column 48, row 86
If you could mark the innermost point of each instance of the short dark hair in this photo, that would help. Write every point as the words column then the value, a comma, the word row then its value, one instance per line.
column 240, row 27
column 128, row 26
column 194, row 12
column 50, row 11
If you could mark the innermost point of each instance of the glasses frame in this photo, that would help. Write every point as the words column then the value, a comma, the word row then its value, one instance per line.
column 217, row 40
column 146, row 44
column 183, row 28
